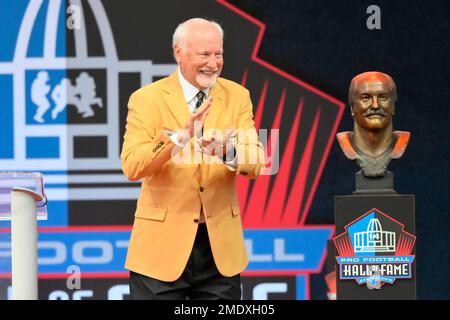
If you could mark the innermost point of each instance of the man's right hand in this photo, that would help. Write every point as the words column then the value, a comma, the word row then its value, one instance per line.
column 194, row 124
column 198, row 116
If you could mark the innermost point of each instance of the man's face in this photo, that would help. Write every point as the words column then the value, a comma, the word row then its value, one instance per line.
column 200, row 55
column 373, row 104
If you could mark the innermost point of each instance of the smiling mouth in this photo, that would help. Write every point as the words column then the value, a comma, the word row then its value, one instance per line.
column 207, row 73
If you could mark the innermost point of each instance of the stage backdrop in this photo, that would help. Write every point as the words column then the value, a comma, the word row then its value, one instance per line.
column 67, row 70
column 326, row 43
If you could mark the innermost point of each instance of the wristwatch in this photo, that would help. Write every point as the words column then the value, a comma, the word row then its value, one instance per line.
column 231, row 154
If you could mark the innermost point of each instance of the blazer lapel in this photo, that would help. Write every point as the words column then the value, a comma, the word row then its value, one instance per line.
column 175, row 101
column 217, row 107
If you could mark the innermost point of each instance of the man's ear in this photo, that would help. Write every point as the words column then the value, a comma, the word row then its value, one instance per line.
column 177, row 53
column 393, row 109
column 351, row 110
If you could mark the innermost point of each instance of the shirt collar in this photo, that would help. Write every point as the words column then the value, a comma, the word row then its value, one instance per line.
column 189, row 90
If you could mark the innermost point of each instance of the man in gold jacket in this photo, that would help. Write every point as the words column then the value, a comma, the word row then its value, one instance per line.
column 187, row 138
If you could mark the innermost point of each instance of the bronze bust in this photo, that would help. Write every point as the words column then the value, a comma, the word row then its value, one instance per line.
column 373, row 143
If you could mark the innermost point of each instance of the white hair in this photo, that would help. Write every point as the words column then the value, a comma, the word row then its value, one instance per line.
column 182, row 29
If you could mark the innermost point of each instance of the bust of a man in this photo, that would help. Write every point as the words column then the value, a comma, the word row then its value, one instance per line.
column 373, row 143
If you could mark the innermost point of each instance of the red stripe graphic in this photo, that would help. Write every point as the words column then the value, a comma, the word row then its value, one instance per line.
column 291, row 214
column 344, row 246
column 405, row 244
column 244, row 78
column 275, row 207
column 260, row 191
column 350, row 252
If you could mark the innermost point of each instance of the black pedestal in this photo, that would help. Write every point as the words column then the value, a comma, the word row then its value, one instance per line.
column 392, row 213
column 381, row 185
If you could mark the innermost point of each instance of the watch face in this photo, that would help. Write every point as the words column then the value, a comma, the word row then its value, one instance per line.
column 233, row 140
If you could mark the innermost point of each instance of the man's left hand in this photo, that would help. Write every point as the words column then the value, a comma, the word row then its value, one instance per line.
column 217, row 144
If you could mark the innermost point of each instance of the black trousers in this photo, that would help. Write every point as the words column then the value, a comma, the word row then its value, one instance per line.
column 200, row 280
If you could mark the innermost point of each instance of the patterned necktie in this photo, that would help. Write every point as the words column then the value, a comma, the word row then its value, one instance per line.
column 200, row 96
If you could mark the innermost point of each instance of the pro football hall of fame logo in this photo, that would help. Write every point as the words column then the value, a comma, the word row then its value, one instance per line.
column 375, row 250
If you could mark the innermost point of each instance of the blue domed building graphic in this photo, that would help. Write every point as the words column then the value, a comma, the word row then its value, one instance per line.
column 60, row 103
column 374, row 239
